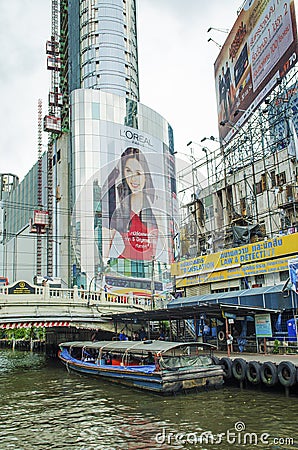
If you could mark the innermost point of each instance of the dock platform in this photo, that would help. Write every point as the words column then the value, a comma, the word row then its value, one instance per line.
column 261, row 357
column 269, row 369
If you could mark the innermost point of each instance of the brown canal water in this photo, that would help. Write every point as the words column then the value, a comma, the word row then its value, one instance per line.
column 45, row 407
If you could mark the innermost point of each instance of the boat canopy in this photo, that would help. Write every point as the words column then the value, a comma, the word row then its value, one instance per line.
column 156, row 346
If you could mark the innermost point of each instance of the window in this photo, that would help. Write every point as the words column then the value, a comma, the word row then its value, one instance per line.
column 273, row 179
column 284, row 275
column 264, row 182
column 261, row 186
column 290, row 193
column 258, row 187
column 259, row 280
column 208, row 201
column 95, row 111
column 201, row 212
column 281, row 179
column 134, row 269
column 243, row 206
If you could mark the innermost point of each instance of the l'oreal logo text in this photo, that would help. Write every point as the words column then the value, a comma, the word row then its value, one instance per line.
column 135, row 137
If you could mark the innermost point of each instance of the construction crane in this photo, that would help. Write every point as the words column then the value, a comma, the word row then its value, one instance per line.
column 52, row 122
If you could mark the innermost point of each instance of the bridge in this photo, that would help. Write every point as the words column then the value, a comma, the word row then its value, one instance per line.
column 23, row 305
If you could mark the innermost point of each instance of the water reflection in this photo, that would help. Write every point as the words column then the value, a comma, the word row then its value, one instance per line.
column 44, row 407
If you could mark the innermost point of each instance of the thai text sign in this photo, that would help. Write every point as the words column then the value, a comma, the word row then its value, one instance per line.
column 21, row 287
column 257, row 268
column 238, row 256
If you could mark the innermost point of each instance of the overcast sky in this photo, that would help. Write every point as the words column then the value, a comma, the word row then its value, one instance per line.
column 175, row 64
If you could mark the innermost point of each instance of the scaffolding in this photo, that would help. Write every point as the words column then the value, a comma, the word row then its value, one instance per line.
column 252, row 180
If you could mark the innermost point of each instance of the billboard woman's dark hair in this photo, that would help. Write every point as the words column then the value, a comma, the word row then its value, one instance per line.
column 119, row 217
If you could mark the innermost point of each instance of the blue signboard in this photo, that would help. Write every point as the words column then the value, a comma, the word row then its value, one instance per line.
column 263, row 325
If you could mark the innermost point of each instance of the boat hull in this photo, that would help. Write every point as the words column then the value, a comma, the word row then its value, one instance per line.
column 145, row 377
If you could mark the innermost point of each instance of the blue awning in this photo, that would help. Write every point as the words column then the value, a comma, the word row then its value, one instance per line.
column 271, row 297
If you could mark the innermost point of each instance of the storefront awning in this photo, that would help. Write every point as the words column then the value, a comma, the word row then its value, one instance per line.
column 216, row 310
column 270, row 297
column 13, row 325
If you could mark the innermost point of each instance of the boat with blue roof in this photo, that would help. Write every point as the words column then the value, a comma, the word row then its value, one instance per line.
column 157, row 366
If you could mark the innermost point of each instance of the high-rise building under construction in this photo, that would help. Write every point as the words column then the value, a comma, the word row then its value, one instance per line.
column 111, row 188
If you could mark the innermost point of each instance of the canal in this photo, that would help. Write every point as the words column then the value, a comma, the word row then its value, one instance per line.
column 45, row 407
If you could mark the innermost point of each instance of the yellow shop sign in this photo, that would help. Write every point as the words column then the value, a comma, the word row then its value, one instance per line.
column 237, row 257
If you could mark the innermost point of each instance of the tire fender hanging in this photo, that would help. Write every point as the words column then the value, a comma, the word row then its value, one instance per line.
column 286, row 373
column 269, row 374
column 253, row 372
column 239, row 369
column 226, row 363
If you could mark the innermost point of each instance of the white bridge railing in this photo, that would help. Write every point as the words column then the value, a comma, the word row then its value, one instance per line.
column 82, row 296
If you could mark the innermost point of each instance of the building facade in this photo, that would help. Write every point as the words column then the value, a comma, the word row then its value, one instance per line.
column 109, row 237
column 241, row 229
column 242, row 226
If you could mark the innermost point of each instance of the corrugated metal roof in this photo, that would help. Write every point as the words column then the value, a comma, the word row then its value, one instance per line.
column 139, row 346
column 234, row 297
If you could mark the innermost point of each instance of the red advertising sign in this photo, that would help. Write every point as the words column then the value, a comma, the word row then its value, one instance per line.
column 260, row 49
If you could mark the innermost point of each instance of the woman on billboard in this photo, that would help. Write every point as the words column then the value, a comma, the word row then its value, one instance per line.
column 129, row 198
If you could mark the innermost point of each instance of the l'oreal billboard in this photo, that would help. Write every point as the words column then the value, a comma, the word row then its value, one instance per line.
column 125, row 211
column 137, row 194
column 260, row 49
